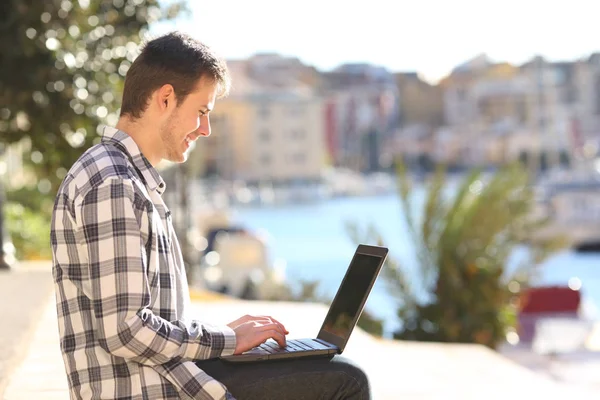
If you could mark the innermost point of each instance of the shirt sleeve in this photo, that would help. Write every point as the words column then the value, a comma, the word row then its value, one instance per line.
column 111, row 218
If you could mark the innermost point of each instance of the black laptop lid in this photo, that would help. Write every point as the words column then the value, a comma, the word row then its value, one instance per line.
column 349, row 302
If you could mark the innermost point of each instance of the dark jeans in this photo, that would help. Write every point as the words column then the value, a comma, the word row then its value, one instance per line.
column 334, row 378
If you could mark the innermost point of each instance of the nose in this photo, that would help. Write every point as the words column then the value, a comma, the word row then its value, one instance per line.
column 204, row 128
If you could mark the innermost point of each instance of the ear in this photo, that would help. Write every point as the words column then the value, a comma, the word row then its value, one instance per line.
column 165, row 98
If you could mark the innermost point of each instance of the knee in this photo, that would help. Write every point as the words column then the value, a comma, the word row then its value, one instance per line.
column 356, row 377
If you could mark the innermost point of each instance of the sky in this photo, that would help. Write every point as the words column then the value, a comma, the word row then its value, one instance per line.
column 430, row 37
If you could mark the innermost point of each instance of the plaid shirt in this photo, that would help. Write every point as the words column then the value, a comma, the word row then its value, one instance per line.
column 120, row 284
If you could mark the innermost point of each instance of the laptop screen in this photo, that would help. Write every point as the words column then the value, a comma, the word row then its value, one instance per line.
column 351, row 295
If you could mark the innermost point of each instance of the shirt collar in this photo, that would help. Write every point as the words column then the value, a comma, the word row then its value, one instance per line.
column 153, row 179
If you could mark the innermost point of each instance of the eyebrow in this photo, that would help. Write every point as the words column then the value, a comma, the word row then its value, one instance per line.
column 206, row 107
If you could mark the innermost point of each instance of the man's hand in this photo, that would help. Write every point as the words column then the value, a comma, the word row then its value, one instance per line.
column 251, row 331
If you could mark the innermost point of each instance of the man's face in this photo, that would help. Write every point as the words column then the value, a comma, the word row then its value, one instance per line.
column 188, row 121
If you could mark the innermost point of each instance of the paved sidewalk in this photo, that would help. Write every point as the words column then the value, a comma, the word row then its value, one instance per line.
column 42, row 373
column 24, row 291
column 398, row 370
column 413, row 370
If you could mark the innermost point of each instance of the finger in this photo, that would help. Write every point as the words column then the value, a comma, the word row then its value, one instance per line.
column 252, row 318
column 274, row 320
column 244, row 319
column 275, row 335
column 236, row 323
column 280, row 324
column 273, row 325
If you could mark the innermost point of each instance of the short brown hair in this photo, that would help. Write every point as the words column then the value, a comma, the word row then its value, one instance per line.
column 176, row 59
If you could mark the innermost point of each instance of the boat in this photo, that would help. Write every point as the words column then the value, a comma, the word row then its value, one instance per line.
column 571, row 200
column 235, row 261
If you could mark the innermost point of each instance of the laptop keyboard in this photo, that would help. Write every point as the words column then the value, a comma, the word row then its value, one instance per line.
column 272, row 346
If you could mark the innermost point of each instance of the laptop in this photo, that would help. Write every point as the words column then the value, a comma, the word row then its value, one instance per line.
column 343, row 314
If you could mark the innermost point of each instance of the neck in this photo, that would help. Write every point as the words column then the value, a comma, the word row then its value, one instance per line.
column 145, row 135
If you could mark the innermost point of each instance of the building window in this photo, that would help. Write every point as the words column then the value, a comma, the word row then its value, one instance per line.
column 297, row 134
column 297, row 110
column 521, row 111
column 542, row 123
column 264, row 135
column 597, row 95
column 265, row 159
column 264, row 111
column 298, row 158
column 572, row 95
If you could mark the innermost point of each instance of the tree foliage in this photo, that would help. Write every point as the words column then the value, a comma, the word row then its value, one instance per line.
column 62, row 65
column 463, row 289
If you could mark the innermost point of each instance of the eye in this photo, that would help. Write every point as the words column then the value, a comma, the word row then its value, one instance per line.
column 202, row 113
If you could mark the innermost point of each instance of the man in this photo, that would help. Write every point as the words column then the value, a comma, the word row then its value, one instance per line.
column 121, row 288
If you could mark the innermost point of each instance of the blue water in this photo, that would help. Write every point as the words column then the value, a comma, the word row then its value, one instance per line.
column 316, row 245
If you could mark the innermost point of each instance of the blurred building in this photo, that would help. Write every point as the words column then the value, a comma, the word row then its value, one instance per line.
column 459, row 113
column 421, row 102
column 495, row 112
column 551, row 104
column 586, row 123
column 362, row 114
column 415, row 144
column 271, row 127
column 421, row 114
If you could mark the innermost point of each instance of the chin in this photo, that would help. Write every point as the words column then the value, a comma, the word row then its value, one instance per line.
column 177, row 158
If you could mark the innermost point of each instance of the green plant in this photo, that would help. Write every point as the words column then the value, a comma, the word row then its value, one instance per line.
column 463, row 290
column 29, row 231
column 62, row 70
column 369, row 323
column 28, row 214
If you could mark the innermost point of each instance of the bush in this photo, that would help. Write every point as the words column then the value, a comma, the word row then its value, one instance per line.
column 28, row 214
column 29, row 231
column 464, row 292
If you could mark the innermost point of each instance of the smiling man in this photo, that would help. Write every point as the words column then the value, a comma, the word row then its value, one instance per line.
column 121, row 289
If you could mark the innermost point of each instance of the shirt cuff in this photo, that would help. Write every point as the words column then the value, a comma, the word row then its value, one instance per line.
column 230, row 341
column 222, row 343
